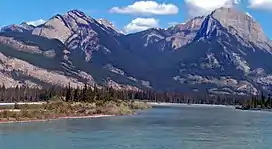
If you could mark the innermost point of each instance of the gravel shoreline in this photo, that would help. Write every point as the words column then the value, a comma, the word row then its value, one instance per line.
column 58, row 118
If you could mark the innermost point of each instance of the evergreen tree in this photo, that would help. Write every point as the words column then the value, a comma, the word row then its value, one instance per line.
column 83, row 96
column 262, row 100
column 76, row 94
column 68, row 96
column 270, row 101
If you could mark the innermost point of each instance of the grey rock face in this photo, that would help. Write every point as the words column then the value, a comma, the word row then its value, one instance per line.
column 17, row 72
column 169, row 39
column 183, row 34
column 109, row 25
column 230, row 46
column 23, row 27
column 192, row 25
column 27, row 61
column 147, row 39
column 78, row 32
column 240, row 25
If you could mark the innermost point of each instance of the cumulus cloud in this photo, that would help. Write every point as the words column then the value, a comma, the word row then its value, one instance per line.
column 37, row 22
column 140, row 24
column 204, row 7
column 261, row 4
column 147, row 8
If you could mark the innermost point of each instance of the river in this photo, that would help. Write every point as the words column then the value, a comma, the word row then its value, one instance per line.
column 169, row 127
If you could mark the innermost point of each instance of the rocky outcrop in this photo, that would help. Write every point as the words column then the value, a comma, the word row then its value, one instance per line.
column 243, row 27
column 79, row 32
column 117, row 86
column 9, row 41
column 34, row 61
column 182, row 34
column 237, row 22
column 10, row 66
column 23, row 27
column 168, row 39
column 110, row 26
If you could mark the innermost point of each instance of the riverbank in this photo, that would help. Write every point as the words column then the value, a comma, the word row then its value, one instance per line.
column 56, row 110
column 59, row 118
column 253, row 109
column 183, row 104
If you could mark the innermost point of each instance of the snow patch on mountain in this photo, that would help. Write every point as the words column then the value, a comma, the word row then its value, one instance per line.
column 109, row 25
column 238, row 86
column 114, row 69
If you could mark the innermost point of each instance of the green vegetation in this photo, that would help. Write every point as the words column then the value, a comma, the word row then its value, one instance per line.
column 261, row 102
column 57, row 109
column 61, row 102
column 66, row 102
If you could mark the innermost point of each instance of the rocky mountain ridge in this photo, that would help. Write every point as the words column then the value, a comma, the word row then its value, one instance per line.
column 23, row 27
column 225, row 52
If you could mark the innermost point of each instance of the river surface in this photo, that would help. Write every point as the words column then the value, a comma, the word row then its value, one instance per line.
column 176, row 127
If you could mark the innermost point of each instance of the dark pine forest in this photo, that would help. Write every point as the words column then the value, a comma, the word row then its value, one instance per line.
column 93, row 94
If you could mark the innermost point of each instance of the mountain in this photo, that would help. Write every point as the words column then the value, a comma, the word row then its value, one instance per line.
column 166, row 39
column 229, row 51
column 225, row 52
column 23, row 27
column 182, row 34
column 92, row 43
column 238, row 24
column 77, row 31
column 80, row 37
column 30, row 60
column 109, row 25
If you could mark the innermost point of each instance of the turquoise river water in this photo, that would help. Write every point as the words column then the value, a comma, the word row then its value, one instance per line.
column 173, row 127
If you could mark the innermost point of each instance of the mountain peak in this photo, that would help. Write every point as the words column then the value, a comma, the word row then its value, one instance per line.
column 193, row 24
column 235, row 22
column 27, row 26
column 24, row 23
column 229, row 13
column 244, row 25
column 23, row 27
column 109, row 25
column 105, row 22
column 77, row 12
column 227, row 9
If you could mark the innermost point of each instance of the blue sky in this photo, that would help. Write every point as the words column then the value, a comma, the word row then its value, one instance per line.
column 132, row 15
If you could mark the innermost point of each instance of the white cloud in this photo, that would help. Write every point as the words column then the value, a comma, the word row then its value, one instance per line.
column 140, row 24
column 204, row 7
column 147, row 8
column 37, row 22
column 260, row 4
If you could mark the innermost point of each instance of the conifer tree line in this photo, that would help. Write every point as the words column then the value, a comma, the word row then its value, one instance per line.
column 26, row 94
column 258, row 102
column 92, row 94
column 85, row 94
